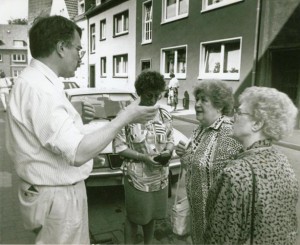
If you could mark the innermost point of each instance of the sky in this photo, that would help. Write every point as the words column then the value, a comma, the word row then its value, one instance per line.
column 13, row 9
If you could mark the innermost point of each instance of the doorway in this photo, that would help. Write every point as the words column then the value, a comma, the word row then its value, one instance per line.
column 285, row 74
column 92, row 76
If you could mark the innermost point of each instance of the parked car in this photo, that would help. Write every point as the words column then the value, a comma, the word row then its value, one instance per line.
column 70, row 84
column 107, row 103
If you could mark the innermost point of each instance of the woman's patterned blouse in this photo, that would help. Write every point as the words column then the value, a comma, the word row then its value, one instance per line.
column 150, row 138
column 205, row 158
column 276, row 193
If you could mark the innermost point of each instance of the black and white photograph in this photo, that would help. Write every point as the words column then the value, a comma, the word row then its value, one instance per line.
column 150, row 122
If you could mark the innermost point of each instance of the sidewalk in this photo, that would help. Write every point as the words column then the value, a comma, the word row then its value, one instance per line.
column 188, row 115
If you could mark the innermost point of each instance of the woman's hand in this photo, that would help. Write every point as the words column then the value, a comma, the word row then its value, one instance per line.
column 150, row 161
column 180, row 148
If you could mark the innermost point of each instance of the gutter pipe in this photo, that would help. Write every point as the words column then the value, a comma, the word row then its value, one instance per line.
column 256, row 42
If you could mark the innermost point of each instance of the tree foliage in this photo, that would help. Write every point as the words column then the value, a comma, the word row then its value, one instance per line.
column 19, row 21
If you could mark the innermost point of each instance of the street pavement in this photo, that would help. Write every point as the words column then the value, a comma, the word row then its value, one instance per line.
column 11, row 229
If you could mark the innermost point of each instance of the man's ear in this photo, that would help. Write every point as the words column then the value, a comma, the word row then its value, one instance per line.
column 60, row 48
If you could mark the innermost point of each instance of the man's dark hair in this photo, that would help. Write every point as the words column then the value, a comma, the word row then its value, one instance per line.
column 46, row 32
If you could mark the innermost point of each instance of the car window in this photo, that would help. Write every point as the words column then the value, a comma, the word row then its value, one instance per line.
column 107, row 106
column 68, row 85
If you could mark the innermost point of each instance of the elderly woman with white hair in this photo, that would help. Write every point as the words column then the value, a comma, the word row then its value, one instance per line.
column 254, row 198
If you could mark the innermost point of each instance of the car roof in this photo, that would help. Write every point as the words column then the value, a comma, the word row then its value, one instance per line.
column 79, row 91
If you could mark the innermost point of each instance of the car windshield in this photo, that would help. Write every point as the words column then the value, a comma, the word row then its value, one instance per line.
column 106, row 105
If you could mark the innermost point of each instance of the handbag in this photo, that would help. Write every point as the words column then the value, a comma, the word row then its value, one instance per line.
column 180, row 216
column 253, row 203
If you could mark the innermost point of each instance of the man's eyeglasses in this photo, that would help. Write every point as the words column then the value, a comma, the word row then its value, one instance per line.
column 237, row 111
column 150, row 96
column 81, row 52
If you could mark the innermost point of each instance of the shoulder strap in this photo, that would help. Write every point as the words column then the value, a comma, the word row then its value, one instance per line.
column 253, row 202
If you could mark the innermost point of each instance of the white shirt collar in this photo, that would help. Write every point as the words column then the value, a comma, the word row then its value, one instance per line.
column 51, row 76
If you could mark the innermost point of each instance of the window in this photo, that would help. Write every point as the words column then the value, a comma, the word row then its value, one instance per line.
column 103, row 29
column 98, row 2
column 18, row 43
column 147, row 22
column 92, row 38
column 19, row 58
column 80, row 6
column 212, row 4
column 120, row 65
column 221, row 59
column 16, row 73
column 175, row 9
column 121, row 23
column 174, row 60
column 145, row 65
column 103, row 66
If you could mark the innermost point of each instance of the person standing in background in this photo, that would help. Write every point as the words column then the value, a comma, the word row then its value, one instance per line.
column 5, row 85
column 173, row 91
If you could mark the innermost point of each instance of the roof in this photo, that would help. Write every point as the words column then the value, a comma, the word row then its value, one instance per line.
column 38, row 8
column 11, row 33
column 72, row 6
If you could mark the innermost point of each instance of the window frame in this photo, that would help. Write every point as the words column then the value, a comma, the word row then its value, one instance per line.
column 123, row 73
column 144, row 61
column 18, row 72
column 81, row 7
column 145, row 23
column 103, row 74
column 123, row 16
column 206, row 7
column 221, row 75
column 102, row 24
column 21, row 59
column 178, row 75
column 177, row 15
column 92, row 38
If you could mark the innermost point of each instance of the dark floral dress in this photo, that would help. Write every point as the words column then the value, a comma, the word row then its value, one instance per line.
column 276, row 194
column 205, row 158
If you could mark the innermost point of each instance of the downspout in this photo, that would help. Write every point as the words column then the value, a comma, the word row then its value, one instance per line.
column 88, row 50
column 256, row 41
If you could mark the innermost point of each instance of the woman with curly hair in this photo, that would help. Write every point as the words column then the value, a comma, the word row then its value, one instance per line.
column 255, row 197
column 146, row 177
column 210, row 145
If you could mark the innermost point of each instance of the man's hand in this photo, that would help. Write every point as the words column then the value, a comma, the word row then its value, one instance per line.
column 88, row 112
column 134, row 113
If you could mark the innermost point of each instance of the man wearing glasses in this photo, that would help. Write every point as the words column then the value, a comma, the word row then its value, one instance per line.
column 47, row 140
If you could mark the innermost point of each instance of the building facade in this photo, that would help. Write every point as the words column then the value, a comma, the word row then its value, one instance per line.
column 13, row 49
column 112, row 44
column 241, row 42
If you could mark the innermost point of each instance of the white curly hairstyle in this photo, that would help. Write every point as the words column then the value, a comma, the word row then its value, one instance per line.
column 274, row 108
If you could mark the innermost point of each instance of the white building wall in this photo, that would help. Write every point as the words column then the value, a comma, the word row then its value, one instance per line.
column 114, row 46
column 81, row 74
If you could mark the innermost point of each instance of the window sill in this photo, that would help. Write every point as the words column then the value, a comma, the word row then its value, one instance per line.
column 232, row 77
column 220, row 5
column 146, row 42
column 165, row 21
column 120, row 34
